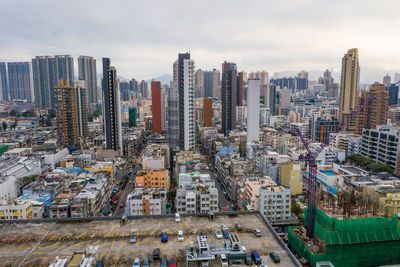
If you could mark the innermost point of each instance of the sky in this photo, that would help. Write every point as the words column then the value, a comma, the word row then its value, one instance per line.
column 143, row 37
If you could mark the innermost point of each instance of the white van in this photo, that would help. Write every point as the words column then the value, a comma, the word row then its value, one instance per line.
column 224, row 260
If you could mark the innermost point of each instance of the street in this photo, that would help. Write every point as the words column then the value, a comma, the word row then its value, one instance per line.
column 223, row 202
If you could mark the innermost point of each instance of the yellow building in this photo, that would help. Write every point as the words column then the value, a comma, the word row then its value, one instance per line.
column 348, row 86
column 153, row 179
column 391, row 202
column 289, row 175
column 18, row 210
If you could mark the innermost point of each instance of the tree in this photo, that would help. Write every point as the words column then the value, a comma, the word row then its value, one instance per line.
column 4, row 125
column 15, row 123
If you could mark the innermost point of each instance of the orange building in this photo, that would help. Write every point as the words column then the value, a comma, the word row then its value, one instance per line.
column 156, row 106
column 207, row 112
column 153, row 179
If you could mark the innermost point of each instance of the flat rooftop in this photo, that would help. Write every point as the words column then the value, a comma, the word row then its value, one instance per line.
column 37, row 244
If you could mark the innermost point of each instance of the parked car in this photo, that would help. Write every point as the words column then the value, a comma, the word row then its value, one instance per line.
column 248, row 260
column 218, row 234
column 274, row 257
column 203, row 233
column 180, row 236
column 224, row 227
column 163, row 262
column 136, row 262
column 164, row 237
column 145, row 263
column 257, row 232
column 256, row 257
column 172, row 262
column 226, row 234
column 133, row 238
column 224, row 260
column 121, row 205
column 156, row 254
column 238, row 227
column 177, row 217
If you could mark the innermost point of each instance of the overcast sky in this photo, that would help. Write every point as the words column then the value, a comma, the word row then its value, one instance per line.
column 143, row 38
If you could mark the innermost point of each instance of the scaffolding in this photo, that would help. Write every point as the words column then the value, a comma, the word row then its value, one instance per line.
column 351, row 242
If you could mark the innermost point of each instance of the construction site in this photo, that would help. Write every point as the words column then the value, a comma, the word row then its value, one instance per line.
column 349, row 230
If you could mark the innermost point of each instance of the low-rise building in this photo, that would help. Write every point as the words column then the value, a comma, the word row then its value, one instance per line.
column 16, row 210
column 146, row 202
column 275, row 203
column 153, row 179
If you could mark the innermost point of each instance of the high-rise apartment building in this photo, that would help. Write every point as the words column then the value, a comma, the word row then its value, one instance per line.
column 271, row 99
column 262, row 75
column 186, row 102
column 156, row 106
column 65, row 105
column 386, row 80
column 348, row 86
column 207, row 112
column 253, row 110
column 228, row 96
column 240, row 88
column 47, row 71
column 173, row 117
column 199, row 83
column 3, row 82
column 393, row 91
column 144, row 89
column 81, row 112
column 111, row 107
column 20, row 81
column 373, row 107
column 396, row 78
column 88, row 73
column 211, row 84
column 326, row 80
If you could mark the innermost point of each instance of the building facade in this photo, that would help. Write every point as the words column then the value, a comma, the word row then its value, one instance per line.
column 275, row 203
column 20, row 81
column 88, row 73
column 253, row 110
column 207, row 112
column 348, row 85
column 228, row 97
column 111, row 107
column 3, row 82
column 156, row 106
column 373, row 107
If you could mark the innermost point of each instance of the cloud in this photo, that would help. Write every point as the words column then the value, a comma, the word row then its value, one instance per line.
column 143, row 38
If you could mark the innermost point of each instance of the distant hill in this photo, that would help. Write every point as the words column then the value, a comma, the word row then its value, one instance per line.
column 165, row 78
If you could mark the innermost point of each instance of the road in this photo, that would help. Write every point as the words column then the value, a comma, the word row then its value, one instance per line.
column 223, row 202
column 125, row 192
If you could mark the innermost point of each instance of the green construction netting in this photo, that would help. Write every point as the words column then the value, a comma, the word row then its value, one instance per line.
column 355, row 242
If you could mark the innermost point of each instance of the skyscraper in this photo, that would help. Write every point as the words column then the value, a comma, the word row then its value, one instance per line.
column 199, row 83
column 65, row 104
column 173, row 117
column 374, row 108
column 228, row 96
column 144, row 89
column 20, row 80
column 3, row 82
column 47, row 71
column 207, row 112
column 253, row 110
column 111, row 107
column 81, row 104
column 240, row 86
column 393, row 91
column 386, row 80
column 88, row 73
column 186, row 102
column 156, row 106
column 326, row 80
column 271, row 99
column 396, row 78
column 348, row 86
column 211, row 84
column 132, row 116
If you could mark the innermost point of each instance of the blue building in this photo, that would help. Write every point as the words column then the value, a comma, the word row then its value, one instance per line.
column 393, row 91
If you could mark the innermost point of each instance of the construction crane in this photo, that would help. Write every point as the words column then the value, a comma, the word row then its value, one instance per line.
column 310, row 157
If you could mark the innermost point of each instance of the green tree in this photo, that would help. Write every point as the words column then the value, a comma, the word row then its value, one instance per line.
column 4, row 125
